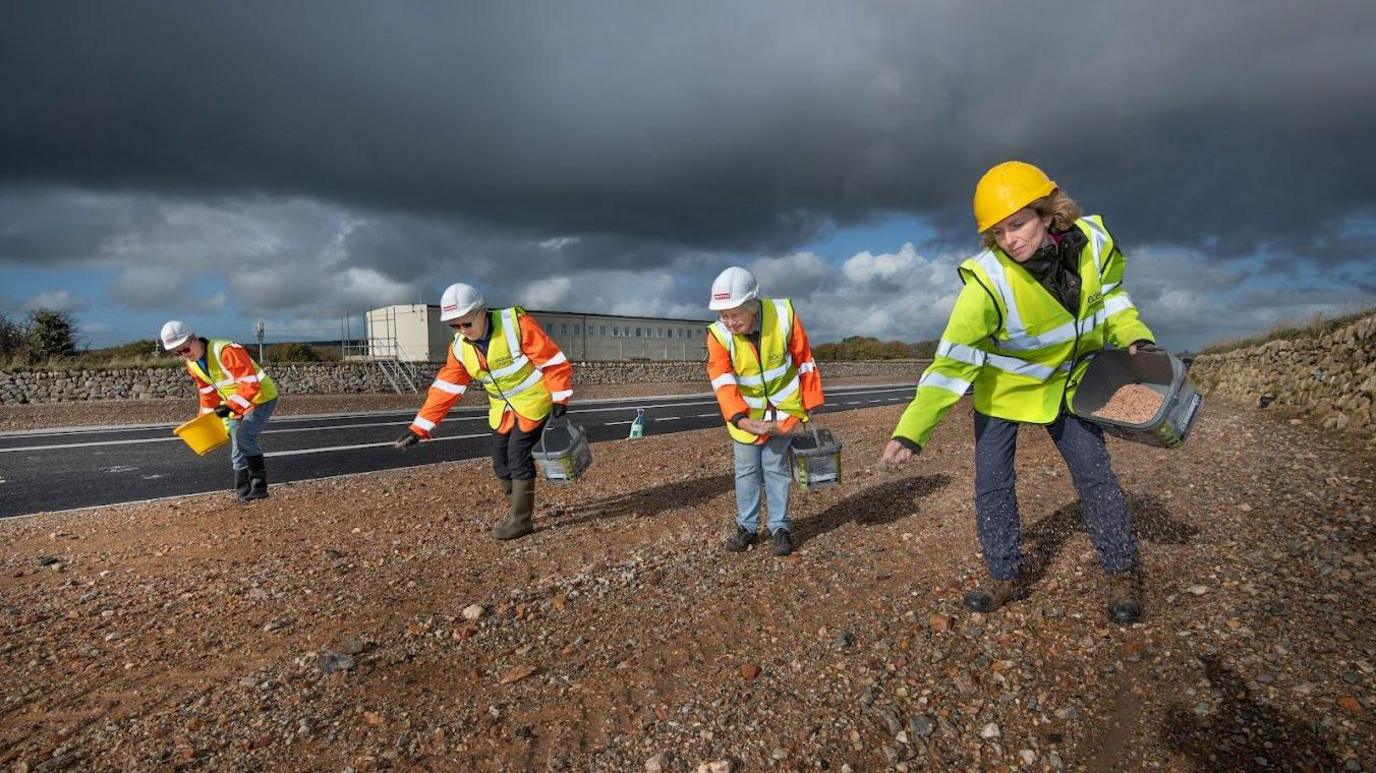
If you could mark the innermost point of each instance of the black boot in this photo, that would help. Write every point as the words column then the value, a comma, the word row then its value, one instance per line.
column 258, row 478
column 241, row 485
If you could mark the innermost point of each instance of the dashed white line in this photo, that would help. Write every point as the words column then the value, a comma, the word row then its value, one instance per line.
column 301, row 451
column 666, row 418
column 612, row 423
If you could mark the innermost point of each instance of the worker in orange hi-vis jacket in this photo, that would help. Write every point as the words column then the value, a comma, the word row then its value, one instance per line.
column 232, row 385
column 767, row 384
column 527, row 378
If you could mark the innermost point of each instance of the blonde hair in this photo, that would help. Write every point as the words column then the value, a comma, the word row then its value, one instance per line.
column 1064, row 211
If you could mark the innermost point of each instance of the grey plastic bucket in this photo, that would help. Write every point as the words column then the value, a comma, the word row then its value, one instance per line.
column 1163, row 372
column 815, row 458
column 562, row 453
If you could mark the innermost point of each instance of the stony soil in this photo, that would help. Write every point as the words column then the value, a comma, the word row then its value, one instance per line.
column 370, row 622
column 47, row 415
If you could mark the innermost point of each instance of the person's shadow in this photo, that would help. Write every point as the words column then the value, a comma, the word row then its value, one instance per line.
column 880, row 504
column 1244, row 735
column 649, row 502
column 1151, row 522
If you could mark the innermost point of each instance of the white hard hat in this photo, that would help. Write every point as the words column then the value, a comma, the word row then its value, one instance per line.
column 174, row 334
column 458, row 300
column 733, row 287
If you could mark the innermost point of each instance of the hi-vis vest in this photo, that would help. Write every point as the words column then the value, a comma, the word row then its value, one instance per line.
column 510, row 378
column 224, row 383
column 1034, row 359
column 773, row 382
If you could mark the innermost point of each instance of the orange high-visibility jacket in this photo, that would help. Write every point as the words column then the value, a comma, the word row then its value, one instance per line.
column 729, row 394
column 239, row 364
column 453, row 379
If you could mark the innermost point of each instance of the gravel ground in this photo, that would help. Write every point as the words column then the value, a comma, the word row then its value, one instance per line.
column 85, row 413
column 370, row 622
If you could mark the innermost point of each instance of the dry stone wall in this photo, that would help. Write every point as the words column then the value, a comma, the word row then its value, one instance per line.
column 1331, row 378
column 43, row 386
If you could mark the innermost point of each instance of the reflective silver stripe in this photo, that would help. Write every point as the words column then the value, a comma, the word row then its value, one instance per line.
column 562, row 394
column 788, row 390
column 558, row 359
column 939, row 381
column 512, row 330
column 961, row 353
column 1094, row 320
column 534, row 378
column 224, row 384
column 773, row 373
column 753, row 381
column 755, row 402
column 786, row 319
column 1057, row 335
column 240, row 400
column 448, row 386
column 506, row 370
column 1119, row 302
column 1021, row 367
column 205, row 390
column 1108, row 288
column 1012, row 322
column 807, row 367
column 424, row 424
column 722, row 380
column 248, row 379
column 1098, row 237
column 725, row 337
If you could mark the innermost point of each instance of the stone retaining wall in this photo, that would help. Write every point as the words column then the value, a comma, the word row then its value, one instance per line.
column 1331, row 378
column 42, row 386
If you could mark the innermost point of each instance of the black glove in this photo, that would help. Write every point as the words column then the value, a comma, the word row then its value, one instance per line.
column 222, row 411
column 407, row 440
column 558, row 411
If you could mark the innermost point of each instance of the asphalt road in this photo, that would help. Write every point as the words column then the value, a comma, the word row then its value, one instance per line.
column 62, row 469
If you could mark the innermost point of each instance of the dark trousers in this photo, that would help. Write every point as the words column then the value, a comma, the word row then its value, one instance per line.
column 511, row 458
column 1102, row 506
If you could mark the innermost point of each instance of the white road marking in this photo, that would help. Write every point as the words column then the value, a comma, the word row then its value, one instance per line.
column 612, row 423
column 302, row 451
column 700, row 415
column 666, row 418
column 852, row 402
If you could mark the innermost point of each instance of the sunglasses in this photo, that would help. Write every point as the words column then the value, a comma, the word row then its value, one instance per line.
column 463, row 325
column 182, row 351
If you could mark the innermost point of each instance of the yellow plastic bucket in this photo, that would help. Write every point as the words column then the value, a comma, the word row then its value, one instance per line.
column 204, row 434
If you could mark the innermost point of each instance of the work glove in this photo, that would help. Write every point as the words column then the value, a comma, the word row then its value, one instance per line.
column 1143, row 346
column 558, row 411
column 222, row 411
column 407, row 440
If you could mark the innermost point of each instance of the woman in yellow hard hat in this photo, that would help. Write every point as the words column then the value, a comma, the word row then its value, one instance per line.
column 1046, row 292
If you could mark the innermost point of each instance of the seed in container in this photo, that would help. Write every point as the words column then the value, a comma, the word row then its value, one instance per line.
column 1131, row 404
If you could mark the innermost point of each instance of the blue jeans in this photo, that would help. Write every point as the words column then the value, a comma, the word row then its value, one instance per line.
column 1103, row 509
column 766, row 464
column 243, row 434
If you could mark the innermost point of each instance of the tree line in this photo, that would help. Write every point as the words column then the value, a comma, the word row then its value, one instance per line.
column 868, row 348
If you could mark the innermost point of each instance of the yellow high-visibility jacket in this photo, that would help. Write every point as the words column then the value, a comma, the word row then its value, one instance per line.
column 1016, row 344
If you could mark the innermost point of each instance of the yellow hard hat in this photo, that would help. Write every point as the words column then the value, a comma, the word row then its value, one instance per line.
column 1007, row 188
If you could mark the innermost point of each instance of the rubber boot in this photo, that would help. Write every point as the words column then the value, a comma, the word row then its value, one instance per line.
column 258, row 478
column 506, row 488
column 241, row 484
column 1125, row 597
column 517, row 523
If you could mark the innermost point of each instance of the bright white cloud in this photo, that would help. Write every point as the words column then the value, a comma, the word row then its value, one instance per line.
column 59, row 300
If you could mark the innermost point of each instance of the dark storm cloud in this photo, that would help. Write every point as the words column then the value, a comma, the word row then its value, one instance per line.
column 650, row 129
